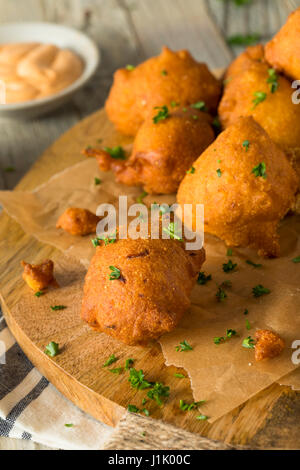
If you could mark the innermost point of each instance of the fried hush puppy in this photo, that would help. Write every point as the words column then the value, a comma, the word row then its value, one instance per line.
column 162, row 152
column 258, row 91
column 250, row 56
column 137, row 290
column 39, row 276
column 268, row 345
column 246, row 184
column 78, row 221
column 283, row 51
column 171, row 77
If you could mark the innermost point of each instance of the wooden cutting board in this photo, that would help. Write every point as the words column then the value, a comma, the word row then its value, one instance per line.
column 270, row 419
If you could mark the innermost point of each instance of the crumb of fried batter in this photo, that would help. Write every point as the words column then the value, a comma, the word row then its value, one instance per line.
column 39, row 276
column 77, row 221
column 268, row 345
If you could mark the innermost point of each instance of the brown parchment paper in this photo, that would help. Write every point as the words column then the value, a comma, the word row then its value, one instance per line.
column 291, row 380
column 225, row 375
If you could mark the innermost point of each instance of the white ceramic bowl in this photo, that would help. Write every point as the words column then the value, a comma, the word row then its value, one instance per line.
column 63, row 37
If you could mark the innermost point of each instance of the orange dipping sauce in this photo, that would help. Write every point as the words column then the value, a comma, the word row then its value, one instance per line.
column 30, row 71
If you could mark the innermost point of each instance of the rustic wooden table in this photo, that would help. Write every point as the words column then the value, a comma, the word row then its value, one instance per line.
column 127, row 31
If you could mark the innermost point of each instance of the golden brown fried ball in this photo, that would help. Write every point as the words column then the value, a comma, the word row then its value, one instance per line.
column 170, row 77
column 249, row 93
column 268, row 345
column 283, row 51
column 78, row 221
column 162, row 152
column 250, row 56
column 246, row 184
column 39, row 276
column 150, row 293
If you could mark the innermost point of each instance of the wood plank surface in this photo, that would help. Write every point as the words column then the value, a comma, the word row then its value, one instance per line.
column 128, row 31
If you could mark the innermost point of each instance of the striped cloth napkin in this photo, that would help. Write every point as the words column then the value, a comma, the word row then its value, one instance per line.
column 31, row 408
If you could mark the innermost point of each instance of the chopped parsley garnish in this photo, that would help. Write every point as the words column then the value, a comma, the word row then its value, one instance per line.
column 163, row 113
column 203, row 279
column 95, row 241
column 202, row 417
column 137, row 379
column 130, row 67
column 97, row 181
column 184, row 346
column 144, row 401
column 52, row 349
column 133, row 409
column 110, row 239
column 129, row 363
column 296, row 260
column 140, row 198
column 246, row 311
column 9, row 169
column 241, row 3
column 273, row 80
column 259, row 97
column 180, row 376
column 69, row 425
column 195, row 117
column 243, row 40
column 260, row 170
column 184, row 406
column 146, row 412
column 248, row 261
column 199, row 105
column 171, row 231
column 107, row 240
column 58, row 307
column 221, row 339
column 248, row 326
column 229, row 252
column 191, row 171
column 260, row 290
column 164, row 73
column 248, row 343
column 230, row 333
column 110, row 360
column 219, row 172
column 115, row 273
column 174, row 104
column 246, row 145
column 118, row 153
column 226, row 284
column 39, row 293
column 221, row 294
column 118, row 370
column 229, row 267
column 216, row 123
column 184, row 110
column 157, row 392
